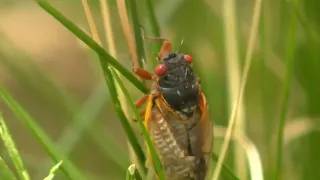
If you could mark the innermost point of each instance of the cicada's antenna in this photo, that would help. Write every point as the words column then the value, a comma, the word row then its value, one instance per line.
column 181, row 44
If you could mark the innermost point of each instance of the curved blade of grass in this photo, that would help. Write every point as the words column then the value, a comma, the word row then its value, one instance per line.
column 133, row 173
column 286, row 92
column 123, row 119
column 68, row 168
column 137, row 30
column 130, row 172
column 92, row 44
column 5, row 171
column 12, row 150
column 52, row 171
column 155, row 157
column 225, row 168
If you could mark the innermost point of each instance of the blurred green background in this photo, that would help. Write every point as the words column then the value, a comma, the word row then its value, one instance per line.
column 57, row 79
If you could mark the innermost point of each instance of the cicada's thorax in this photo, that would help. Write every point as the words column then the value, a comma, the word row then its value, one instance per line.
column 176, row 128
column 179, row 86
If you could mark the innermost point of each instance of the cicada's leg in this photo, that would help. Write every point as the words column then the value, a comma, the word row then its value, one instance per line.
column 143, row 74
column 142, row 113
column 156, row 39
column 166, row 46
column 141, row 101
column 151, row 38
column 165, row 49
column 138, row 104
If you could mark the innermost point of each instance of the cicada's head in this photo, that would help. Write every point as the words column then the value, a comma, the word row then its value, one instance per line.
column 176, row 80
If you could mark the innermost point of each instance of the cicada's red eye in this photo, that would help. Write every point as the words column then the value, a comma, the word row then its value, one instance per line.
column 160, row 69
column 188, row 58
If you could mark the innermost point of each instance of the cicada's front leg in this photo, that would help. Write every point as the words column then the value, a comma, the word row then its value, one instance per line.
column 142, row 73
column 138, row 104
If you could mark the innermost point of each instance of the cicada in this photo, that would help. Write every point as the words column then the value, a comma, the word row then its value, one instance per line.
column 176, row 116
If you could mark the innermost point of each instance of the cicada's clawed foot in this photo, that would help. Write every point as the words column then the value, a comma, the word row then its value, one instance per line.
column 141, row 114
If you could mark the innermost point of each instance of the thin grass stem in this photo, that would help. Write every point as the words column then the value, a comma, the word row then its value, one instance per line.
column 5, row 171
column 289, row 58
column 155, row 157
column 248, row 59
column 12, row 150
column 68, row 168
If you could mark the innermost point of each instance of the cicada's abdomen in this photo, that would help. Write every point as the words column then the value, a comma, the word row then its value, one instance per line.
column 170, row 138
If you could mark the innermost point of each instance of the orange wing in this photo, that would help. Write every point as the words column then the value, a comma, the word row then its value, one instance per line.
column 207, row 130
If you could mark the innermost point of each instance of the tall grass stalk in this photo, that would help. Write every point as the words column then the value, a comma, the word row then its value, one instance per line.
column 53, row 171
column 117, row 90
column 248, row 59
column 125, row 23
column 137, row 32
column 111, row 45
column 233, row 71
column 154, row 155
column 289, row 58
column 134, row 46
column 13, row 150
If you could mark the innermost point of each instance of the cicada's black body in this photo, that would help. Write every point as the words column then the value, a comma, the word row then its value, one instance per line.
column 176, row 117
column 175, row 125
column 179, row 86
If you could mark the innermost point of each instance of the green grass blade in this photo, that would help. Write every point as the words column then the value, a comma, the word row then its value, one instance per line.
column 12, row 150
column 52, row 171
column 91, row 43
column 155, row 157
column 123, row 119
column 286, row 92
column 68, row 168
column 137, row 30
column 133, row 173
column 130, row 172
column 155, row 28
column 225, row 168
column 5, row 171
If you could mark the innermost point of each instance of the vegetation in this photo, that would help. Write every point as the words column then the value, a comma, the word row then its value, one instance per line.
column 67, row 90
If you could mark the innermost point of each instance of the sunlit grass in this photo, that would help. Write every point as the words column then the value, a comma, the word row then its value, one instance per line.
column 12, row 150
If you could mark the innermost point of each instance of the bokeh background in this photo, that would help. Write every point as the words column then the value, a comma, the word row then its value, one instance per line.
column 57, row 79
